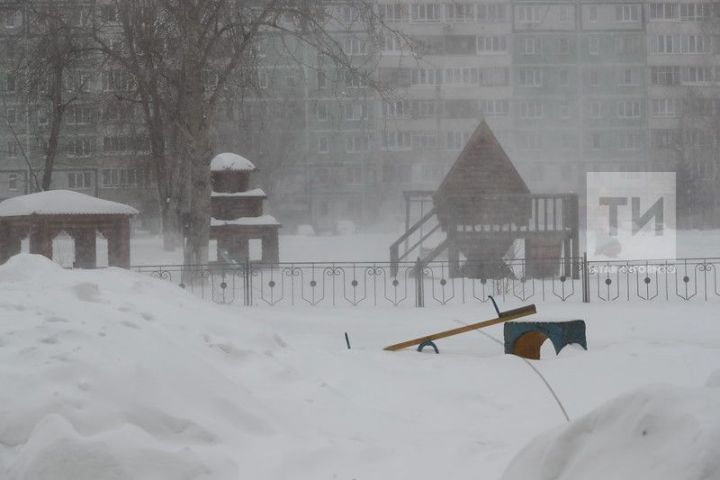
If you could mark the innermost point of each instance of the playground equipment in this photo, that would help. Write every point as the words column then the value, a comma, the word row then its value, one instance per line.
column 429, row 340
column 481, row 208
column 524, row 339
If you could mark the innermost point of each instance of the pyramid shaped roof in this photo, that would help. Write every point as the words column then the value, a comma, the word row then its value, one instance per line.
column 482, row 168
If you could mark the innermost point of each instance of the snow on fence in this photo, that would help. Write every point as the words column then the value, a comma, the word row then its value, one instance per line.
column 383, row 283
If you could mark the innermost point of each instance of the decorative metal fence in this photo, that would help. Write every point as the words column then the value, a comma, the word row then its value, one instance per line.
column 415, row 284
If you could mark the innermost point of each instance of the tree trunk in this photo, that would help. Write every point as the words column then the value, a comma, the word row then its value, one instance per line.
column 57, row 111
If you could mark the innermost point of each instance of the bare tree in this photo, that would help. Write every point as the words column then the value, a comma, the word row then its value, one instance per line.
column 183, row 56
column 54, row 72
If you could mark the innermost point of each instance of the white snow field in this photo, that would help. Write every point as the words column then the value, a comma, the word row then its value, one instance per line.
column 110, row 375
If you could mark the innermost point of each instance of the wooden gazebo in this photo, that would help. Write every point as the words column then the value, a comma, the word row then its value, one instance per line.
column 42, row 216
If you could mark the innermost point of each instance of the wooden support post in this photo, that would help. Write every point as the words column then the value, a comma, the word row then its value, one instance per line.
column 40, row 241
column 119, row 243
column 271, row 247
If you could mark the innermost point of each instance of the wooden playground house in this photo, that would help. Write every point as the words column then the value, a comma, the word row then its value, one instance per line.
column 480, row 210
column 44, row 215
column 237, row 212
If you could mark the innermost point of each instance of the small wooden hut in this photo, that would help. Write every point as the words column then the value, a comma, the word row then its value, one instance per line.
column 44, row 215
column 237, row 212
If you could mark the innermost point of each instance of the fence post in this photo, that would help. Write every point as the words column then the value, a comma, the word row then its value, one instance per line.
column 585, row 279
column 248, row 283
column 419, row 291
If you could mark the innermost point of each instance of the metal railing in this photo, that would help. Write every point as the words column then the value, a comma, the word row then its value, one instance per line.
column 421, row 284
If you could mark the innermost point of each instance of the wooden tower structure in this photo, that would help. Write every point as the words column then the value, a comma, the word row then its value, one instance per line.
column 237, row 212
column 482, row 207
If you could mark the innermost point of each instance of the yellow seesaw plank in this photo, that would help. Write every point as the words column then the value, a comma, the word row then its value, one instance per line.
column 504, row 317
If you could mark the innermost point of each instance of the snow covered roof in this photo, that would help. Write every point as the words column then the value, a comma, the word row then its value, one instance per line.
column 231, row 161
column 261, row 220
column 256, row 192
column 61, row 202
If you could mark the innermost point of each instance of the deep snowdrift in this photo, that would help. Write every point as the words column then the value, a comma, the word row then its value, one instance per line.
column 658, row 433
column 92, row 386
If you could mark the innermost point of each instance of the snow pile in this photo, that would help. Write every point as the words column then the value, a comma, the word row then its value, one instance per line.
column 230, row 161
column 659, row 433
column 111, row 375
column 61, row 202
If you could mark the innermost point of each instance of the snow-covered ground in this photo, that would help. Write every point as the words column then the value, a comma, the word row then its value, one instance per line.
column 111, row 375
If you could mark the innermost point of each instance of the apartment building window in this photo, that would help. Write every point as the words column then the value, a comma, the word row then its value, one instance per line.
column 460, row 12
column 424, row 140
column 460, row 44
column 530, row 14
column 80, row 147
column 564, row 13
column 627, row 13
column 663, row 138
column 630, row 140
column 392, row 44
column 355, row 46
column 10, row 83
column 695, row 11
column 563, row 46
column 456, row 140
column 426, row 76
column 695, row 43
column 530, row 77
column 394, row 109
column 13, row 149
column 593, row 78
column 264, row 79
column 108, row 13
column 564, row 110
column 497, row 107
column 357, row 143
column 594, row 45
column 80, row 114
column 697, row 75
column 13, row 18
column 629, row 77
column 593, row 13
column 663, row 107
column 467, row 75
column 595, row 109
column 628, row 44
column 397, row 140
column 10, row 116
column 494, row 76
column 13, row 182
column 425, row 12
column 531, row 46
column 354, row 111
column 393, row 12
column 531, row 110
column 121, row 177
column 354, row 176
column 628, row 109
column 322, row 111
column 695, row 137
column 79, row 180
column 116, row 80
column 423, row 108
column 321, row 80
column 322, row 144
column 663, row 11
column 491, row 12
column 491, row 44
column 355, row 80
column 665, row 44
column 665, row 75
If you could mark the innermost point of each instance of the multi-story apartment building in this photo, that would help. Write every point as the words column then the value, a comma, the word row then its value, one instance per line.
column 568, row 86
